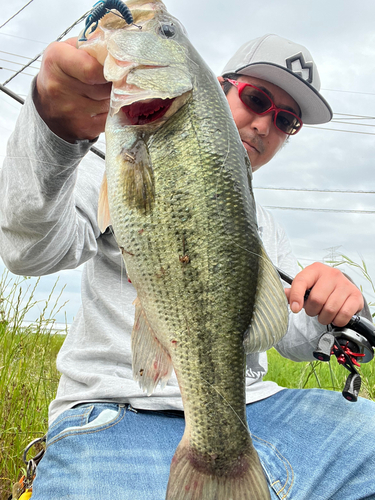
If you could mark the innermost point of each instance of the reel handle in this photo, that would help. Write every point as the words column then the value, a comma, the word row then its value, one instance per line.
column 352, row 387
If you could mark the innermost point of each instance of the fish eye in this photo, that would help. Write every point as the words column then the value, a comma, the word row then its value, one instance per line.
column 168, row 30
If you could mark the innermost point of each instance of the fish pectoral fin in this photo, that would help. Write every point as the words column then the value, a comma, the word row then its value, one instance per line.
column 151, row 361
column 138, row 177
column 104, row 219
column 196, row 475
column 269, row 323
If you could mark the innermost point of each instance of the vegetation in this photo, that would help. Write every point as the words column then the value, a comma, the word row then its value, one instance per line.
column 346, row 261
column 28, row 375
column 331, row 376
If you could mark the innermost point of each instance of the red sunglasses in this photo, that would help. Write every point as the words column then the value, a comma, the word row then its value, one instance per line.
column 260, row 103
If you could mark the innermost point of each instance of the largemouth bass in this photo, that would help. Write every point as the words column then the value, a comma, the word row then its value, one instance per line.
column 178, row 195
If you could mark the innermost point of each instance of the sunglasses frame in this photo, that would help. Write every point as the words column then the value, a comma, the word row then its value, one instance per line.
column 241, row 85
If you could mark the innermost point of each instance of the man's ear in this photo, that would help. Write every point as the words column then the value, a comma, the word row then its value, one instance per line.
column 221, row 80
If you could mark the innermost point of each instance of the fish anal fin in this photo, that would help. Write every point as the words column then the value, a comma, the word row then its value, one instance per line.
column 138, row 177
column 195, row 477
column 269, row 323
column 151, row 361
column 104, row 219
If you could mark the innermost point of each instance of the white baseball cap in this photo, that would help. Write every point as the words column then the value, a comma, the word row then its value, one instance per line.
column 288, row 65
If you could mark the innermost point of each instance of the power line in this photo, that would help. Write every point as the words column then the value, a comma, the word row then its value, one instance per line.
column 345, row 191
column 58, row 39
column 339, row 130
column 16, row 55
column 341, row 122
column 368, row 212
column 18, row 64
column 359, row 117
column 349, row 91
column 15, row 71
column 14, row 15
column 22, row 38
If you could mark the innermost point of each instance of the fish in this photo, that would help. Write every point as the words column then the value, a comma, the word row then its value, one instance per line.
column 177, row 193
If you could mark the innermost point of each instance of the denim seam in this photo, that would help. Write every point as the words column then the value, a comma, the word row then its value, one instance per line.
column 82, row 415
column 285, row 462
column 100, row 428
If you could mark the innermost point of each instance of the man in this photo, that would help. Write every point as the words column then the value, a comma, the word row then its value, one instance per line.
column 98, row 445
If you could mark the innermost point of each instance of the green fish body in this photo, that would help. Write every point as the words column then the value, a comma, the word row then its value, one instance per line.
column 178, row 195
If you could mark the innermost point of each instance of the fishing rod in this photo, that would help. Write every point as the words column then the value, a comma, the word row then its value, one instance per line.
column 351, row 345
column 19, row 99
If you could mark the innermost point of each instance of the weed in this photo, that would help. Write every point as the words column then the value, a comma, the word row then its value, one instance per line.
column 28, row 376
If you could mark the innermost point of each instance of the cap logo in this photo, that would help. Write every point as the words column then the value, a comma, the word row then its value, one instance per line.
column 300, row 67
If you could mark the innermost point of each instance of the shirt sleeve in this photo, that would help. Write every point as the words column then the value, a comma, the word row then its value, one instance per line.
column 303, row 331
column 48, row 203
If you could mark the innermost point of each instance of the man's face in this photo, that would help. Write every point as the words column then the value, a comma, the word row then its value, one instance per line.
column 261, row 139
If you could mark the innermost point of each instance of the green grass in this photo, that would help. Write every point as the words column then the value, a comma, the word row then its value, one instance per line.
column 316, row 374
column 28, row 375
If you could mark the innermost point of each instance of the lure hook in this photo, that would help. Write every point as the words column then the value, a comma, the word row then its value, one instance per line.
column 101, row 8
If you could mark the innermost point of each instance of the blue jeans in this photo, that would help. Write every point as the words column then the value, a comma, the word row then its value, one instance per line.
column 313, row 445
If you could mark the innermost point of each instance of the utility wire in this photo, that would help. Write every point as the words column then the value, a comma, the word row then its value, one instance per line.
column 368, row 212
column 23, row 38
column 349, row 91
column 14, row 15
column 18, row 64
column 313, row 190
column 351, row 123
column 359, row 117
column 339, row 130
column 356, row 116
column 14, row 71
column 58, row 39
column 16, row 55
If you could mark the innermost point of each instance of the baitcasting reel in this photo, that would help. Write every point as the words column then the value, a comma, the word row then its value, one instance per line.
column 352, row 344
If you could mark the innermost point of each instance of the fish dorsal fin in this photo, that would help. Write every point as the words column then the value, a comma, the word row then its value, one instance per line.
column 151, row 362
column 270, row 317
column 104, row 219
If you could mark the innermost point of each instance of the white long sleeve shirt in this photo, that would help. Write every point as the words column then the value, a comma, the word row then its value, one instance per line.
column 49, row 193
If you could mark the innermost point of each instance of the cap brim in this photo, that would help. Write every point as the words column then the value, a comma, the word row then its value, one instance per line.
column 314, row 108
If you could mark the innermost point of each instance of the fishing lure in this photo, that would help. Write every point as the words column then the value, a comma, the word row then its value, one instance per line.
column 100, row 10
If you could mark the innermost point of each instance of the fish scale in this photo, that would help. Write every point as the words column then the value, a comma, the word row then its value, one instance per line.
column 178, row 195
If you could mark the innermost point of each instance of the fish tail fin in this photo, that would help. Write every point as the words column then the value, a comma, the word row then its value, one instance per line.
column 194, row 478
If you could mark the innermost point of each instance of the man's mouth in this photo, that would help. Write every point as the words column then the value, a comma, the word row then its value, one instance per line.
column 249, row 147
column 144, row 112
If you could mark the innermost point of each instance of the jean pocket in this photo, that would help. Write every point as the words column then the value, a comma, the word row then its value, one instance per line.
column 84, row 419
column 277, row 468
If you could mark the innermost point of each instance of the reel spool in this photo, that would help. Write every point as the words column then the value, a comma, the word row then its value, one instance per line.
column 352, row 345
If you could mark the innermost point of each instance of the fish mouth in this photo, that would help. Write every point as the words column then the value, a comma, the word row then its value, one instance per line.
column 148, row 111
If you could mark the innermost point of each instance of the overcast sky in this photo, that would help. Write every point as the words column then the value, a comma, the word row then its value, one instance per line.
column 338, row 156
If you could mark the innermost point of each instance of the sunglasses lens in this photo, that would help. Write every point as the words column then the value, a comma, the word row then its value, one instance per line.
column 287, row 123
column 256, row 100
column 259, row 102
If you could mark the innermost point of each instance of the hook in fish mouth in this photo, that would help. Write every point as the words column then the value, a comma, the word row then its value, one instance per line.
column 148, row 111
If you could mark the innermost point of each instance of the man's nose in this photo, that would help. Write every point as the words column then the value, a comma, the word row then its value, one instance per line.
column 262, row 123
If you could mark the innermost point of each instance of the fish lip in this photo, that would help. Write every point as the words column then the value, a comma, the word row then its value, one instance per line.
column 142, row 112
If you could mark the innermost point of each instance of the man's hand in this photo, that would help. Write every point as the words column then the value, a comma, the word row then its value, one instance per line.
column 333, row 298
column 72, row 95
